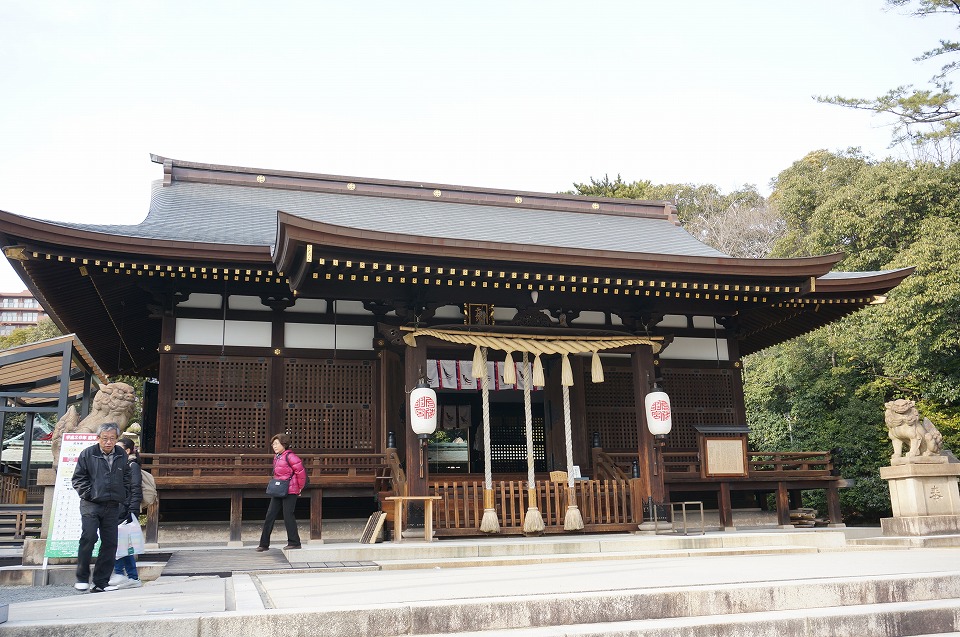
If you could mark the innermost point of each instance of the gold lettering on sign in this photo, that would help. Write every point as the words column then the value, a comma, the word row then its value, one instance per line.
column 478, row 314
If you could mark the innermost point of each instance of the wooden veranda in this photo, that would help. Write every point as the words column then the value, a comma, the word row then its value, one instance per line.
column 610, row 501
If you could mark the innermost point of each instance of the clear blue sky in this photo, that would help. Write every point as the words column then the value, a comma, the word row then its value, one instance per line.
column 520, row 94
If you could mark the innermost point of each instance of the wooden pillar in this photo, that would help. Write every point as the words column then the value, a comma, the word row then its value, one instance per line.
column 578, row 420
column 316, row 515
column 275, row 380
column 651, row 478
column 167, row 378
column 414, row 360
column 783, row 505
column 796, row 498
column 236, row 515
column 724, row 507
column 153, row 523
column 833, row 506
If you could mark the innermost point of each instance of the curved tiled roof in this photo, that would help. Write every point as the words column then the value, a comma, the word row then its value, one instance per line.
column 241, row 215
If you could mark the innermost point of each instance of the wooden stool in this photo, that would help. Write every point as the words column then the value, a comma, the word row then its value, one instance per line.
column 399, row 501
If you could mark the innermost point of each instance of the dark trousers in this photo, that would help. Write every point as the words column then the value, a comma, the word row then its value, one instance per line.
column 288, row 503
column 97, row 519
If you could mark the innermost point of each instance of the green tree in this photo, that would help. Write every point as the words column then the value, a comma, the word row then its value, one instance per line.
column 43, row 330
column 925, row 119
column 739, row 223
column 829, row 386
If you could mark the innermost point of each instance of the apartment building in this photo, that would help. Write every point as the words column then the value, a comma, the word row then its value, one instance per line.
column 18, row 309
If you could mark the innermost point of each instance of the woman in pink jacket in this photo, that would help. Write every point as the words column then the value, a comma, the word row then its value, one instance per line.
column 286, row 466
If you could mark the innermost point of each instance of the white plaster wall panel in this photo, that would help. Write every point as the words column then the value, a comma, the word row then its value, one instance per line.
column 705, row 323
column 321, row 336
column 202, row 301
column 503, row 314
column 352, row 308
column 211, row 332
column 697, row 349
column 252, row 303
column 358, row 337
column 452, row 312
column 591, row 318
column 308, row 335
column 248, row 333
column 309, row 306
column 673, row 320
column 198, row 332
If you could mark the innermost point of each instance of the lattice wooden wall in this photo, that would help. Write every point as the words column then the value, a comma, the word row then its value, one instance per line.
column 698, row 397
column 610, row 407
column 508, row 444
column 329, row 405
column 220, row 402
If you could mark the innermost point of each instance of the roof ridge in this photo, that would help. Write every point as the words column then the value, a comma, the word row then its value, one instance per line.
column 178, row 170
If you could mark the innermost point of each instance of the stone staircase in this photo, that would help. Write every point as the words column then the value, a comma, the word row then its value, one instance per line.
column 552, row 549
column 875, row 606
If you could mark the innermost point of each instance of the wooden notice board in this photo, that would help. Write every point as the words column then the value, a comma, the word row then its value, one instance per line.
column 723, row 456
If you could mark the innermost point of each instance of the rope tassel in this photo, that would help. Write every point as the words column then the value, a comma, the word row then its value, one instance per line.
column 479, row 363
column 533, row 521
column 538, row 372
column 596, row 368
column 572, row 520
column 489, row 523
column 509, row 370
column 566, row 373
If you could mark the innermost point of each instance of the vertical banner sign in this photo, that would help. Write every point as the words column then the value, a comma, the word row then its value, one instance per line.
column 63, row 536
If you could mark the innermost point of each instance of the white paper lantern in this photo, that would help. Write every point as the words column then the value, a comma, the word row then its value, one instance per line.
column 659, row 419
column 423, row 411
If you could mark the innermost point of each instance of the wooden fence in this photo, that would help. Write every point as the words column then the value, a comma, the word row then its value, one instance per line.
column 10, row 490
column 610, row 504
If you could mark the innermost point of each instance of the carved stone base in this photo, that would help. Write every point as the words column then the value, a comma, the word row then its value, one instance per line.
column 653, row 527
column 923, row 488
column 921, row 525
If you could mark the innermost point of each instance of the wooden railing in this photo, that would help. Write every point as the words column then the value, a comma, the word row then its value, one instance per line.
column 10, row 490
column 811, row 463
column 683, row 465
column 604, row 467
column 212, row 470
column 394, row 475
column 603, row 503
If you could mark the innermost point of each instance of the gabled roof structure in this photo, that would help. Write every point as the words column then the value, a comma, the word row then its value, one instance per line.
column 282, row 235
column 32, row 375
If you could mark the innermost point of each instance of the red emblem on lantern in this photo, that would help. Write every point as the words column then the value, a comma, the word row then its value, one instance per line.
column 425, row 407
column 660, row 410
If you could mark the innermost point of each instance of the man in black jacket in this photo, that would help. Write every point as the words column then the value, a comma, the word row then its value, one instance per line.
column 102, row 480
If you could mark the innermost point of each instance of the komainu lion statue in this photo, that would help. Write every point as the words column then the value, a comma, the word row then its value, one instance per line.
column 114, row 402
column 904, row 426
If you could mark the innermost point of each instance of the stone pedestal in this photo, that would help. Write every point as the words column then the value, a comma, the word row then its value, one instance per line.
column 925, row 498
column 653, row 527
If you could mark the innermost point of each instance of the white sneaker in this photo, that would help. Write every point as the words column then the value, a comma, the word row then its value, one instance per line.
column 131, row 583
column 81, row 586
column 117, row 579
column 97, row 589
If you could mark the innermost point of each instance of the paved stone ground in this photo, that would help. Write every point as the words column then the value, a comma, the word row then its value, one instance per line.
column 18, row 594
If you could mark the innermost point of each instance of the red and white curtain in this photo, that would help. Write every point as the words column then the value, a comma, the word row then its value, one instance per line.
column 458, row 374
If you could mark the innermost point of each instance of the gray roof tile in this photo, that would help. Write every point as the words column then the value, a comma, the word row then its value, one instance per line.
column 238, row 215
